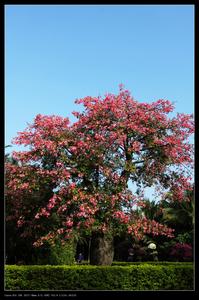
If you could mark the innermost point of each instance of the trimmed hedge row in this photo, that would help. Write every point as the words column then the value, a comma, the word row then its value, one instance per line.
column 128, row 263
column 134, row 277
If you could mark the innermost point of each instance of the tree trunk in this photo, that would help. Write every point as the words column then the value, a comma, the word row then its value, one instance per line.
column 101, row 249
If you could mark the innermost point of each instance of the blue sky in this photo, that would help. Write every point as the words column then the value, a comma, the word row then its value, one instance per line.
column 57, row 53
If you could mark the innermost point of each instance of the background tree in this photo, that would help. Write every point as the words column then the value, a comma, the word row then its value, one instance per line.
column 115, row 140
column 176, row 215
column 151, row 209
column 180, row 215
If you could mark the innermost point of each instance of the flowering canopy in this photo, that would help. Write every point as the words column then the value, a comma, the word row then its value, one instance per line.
column 88, row 165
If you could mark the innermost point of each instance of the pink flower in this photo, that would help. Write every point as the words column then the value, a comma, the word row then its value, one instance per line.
column 69, row 223
column 73, row 149
column 136, row 146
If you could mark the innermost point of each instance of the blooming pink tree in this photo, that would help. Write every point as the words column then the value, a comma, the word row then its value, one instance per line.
column 89, row 164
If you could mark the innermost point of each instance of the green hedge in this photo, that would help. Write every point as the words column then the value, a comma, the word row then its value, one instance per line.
column 82, row 277
column 126, row 263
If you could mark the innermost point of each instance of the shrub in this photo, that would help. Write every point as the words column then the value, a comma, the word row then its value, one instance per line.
column 182, row 252
column 55, row 255
column 125, row 263
column 141, row 276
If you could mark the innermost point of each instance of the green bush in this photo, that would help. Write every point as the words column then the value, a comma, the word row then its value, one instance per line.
column 55, row 255
column 145, row 276
column 127, row 263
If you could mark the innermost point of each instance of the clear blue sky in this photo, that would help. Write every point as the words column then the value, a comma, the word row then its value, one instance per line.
column 57, row 53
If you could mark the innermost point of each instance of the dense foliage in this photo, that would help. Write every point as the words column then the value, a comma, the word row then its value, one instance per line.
column 132, row 277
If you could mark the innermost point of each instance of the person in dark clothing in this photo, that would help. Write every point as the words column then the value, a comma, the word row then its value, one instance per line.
column 80, row 258
column 130, row 254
